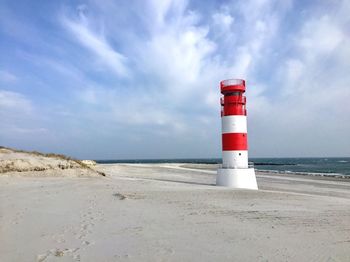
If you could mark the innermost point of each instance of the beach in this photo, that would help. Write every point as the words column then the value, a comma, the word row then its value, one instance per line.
column 172, row 212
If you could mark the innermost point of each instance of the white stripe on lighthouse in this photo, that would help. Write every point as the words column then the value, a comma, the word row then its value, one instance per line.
column 234, row 124
column 235, row 159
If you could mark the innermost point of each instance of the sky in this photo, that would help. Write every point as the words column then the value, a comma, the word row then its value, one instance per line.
column 103, row 79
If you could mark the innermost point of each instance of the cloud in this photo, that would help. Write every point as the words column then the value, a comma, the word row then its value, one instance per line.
column 24, row 131
column 173, row 66
column 14, row 101
column 320, row 36
column 8, row 77
column 310, row 92
column 97, row 44
column 224, row 21
column 179, row 63
column 18, row 117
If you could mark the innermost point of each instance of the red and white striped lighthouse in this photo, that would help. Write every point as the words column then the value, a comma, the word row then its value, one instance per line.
column 235, row 171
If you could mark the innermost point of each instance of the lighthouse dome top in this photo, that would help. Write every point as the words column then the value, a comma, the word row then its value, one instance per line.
column 232, row 85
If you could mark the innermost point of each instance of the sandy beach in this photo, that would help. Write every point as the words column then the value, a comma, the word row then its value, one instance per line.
column 172, row 212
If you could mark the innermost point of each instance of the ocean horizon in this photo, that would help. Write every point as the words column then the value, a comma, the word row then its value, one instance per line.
column 324, row 166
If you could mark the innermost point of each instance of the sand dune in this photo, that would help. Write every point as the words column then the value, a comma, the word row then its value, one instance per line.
column 22, row 163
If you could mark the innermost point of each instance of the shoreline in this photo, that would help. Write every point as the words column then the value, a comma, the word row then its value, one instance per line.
column 214, row 167
column 316, row 166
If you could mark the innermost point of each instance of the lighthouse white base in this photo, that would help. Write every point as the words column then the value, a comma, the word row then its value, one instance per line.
column 237, row 178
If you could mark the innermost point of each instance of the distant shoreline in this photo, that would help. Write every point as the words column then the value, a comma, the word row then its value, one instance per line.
column 330, row 167
column 211, row 168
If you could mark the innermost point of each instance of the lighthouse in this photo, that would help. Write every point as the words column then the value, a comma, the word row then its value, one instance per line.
column 235, row 171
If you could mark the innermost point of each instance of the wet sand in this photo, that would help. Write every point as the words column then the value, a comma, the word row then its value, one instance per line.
column 172, row 212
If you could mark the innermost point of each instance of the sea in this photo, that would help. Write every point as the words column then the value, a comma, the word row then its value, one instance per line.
column 330, row 166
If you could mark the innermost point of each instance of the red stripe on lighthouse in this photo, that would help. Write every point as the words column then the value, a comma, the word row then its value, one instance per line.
column 234, row 141
column 234, row 105
column 234, row 111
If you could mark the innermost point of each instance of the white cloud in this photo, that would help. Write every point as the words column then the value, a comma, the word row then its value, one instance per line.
column 307, row 115
column 320, row 36
column 97, row 44
column 14, row 101
column 184, row 55
column 26, row 131
column 223, row 20
column 182, row 67
column 17, row 114
column 8, row 77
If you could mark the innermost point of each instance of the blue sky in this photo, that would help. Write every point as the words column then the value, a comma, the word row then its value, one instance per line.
column 139, row 79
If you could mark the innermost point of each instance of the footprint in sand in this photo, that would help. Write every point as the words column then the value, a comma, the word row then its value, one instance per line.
column 89, row 218
column 59, row 238
column 54, row 253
